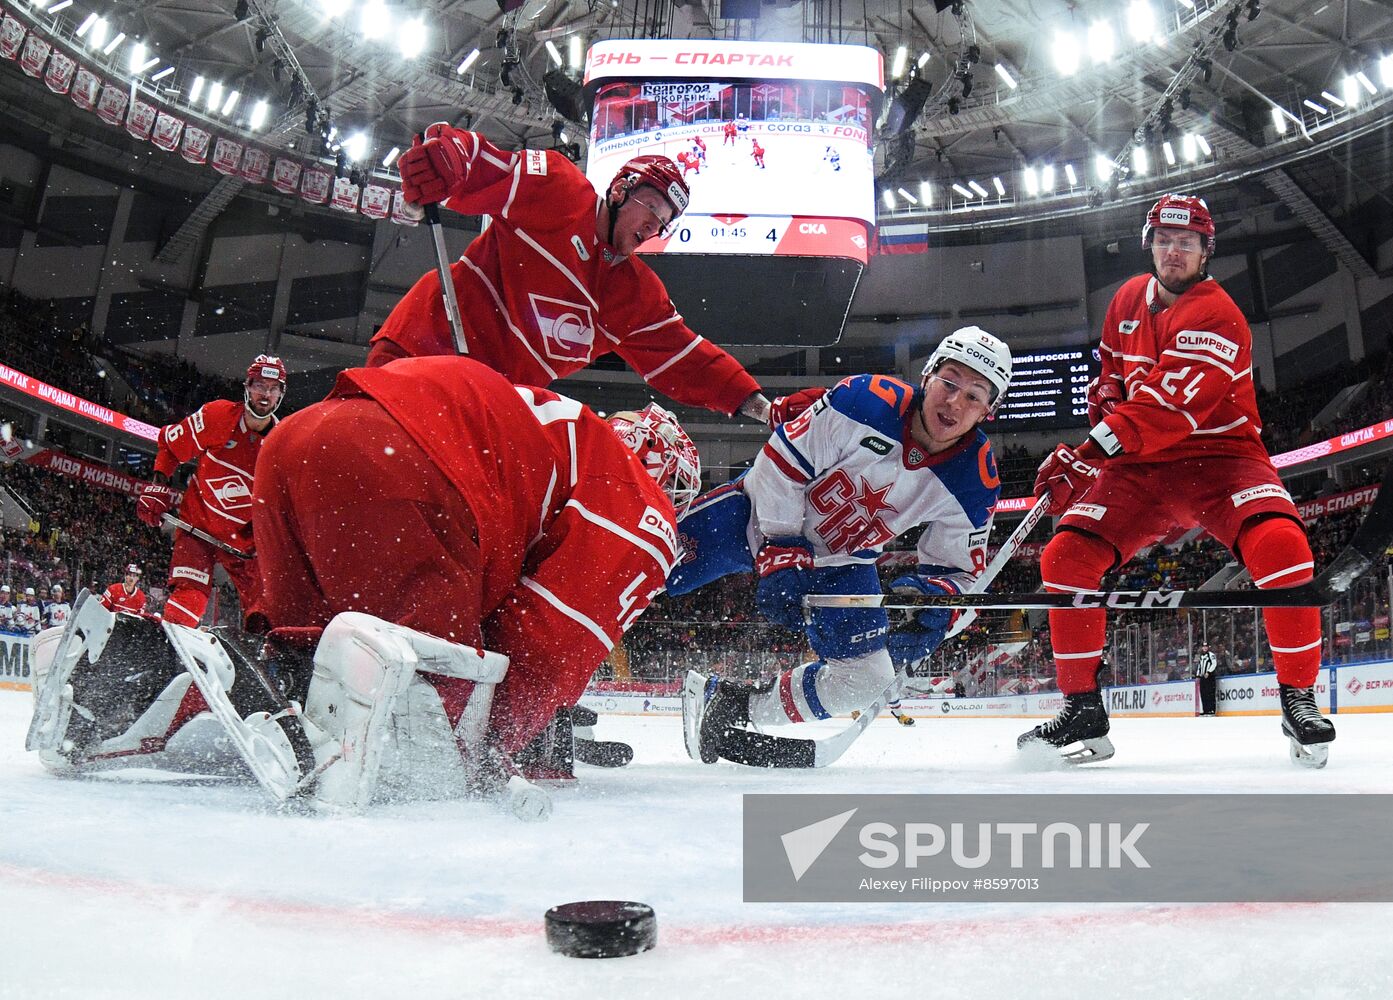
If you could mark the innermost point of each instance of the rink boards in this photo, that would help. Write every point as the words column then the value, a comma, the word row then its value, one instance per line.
column 1359, row 687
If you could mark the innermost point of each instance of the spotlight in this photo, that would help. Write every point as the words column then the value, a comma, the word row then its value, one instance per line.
column 277, row 67
column 517, row 95
column 242, row 11
column 565, row 95
column 966, row 79
column 954, row 106
column 1185, row 99
column 505, row 75
column 974, row 55
column 1206, row 67
column 1254, row 9
column 260, row 39
column 1230, row 38
column 500, row 41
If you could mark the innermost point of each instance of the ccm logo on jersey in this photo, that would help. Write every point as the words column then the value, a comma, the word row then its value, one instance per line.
column 1200, row 340
column 537, row 162
column 1174, row 217
column 1128, row 325
column 1093, row 510
column 1260, row 493
column 567, row 328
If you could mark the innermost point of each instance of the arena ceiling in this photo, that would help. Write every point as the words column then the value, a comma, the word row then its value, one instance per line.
column 1289, row 51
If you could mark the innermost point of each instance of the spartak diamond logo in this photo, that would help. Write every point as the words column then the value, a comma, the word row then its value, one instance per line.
column 567, row 328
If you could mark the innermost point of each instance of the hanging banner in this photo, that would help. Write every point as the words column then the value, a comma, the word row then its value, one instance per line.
column 35, row 54
column 227, row 156
column 61, row 68
column 286, row 176
column 74, row 403
column 377, row 201
column 111, row 106
column 314, row 185
column 195, row 147
column 345, row 197
column 167, row 131
column 141, row 120
column 88, row 472
column 403, row 212
column 86, row 86
column 256, row 165
column 11, row 37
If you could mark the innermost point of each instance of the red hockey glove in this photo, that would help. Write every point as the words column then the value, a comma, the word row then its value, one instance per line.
column 773, row 557
column 154, row 503
column 1104, row 394
column 1066, row 477
column 786, row 408
column 436, row 169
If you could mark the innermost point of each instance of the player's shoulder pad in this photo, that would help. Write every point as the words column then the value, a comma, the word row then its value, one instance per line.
column 881, row 402
column 971, row 476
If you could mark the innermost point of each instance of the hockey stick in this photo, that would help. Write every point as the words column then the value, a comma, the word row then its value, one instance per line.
column 203, row 536
column 1370, row 542
column 447, row 283
column 763, row 750
column 442, row 268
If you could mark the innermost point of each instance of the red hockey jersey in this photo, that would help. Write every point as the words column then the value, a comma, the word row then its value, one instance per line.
column 219, row 497
column 116, row 599
column 541, row 296
column 1187, row 372
column 574, row 536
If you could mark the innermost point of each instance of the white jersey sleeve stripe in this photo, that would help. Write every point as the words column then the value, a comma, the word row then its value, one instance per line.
column 665, row 560
column 1200, row 357
column 672, row 360
column 570, row 612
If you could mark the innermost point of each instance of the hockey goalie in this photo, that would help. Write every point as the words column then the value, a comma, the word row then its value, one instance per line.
column 445, row 576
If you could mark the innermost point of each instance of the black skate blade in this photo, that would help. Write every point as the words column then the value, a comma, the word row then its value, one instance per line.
column 603, row 753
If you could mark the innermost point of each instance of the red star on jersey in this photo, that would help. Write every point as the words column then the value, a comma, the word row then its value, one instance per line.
column 873, row 501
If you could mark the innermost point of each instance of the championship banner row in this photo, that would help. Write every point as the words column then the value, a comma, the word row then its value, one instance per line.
column 119, row 104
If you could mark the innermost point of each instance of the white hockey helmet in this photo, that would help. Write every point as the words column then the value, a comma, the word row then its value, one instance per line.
column 977, row 349
column 665, row 450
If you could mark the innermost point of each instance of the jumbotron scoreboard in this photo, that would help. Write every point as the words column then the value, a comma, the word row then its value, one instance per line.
column 1049, row 389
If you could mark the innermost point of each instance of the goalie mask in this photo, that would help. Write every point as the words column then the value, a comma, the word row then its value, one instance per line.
column 975, row 348
column 271, row 369
column 665, row 450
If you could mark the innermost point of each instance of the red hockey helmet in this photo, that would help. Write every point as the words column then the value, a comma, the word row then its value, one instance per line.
column 657, row 172
column 1180, row 211
column 268, row 367
column 665, row 450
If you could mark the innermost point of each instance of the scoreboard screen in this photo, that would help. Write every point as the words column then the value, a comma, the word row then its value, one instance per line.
column 1049, row 389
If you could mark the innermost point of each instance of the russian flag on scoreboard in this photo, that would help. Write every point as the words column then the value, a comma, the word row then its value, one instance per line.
column 910, row 238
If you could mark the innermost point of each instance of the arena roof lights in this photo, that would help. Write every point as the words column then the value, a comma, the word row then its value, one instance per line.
column 577, row 53
column 162, row 74
column 230, row 103
column 467, row 61
column 1203, row 144
column 258, row 116
column 1169, row 152
column 87, row 24
column 1188, row 149
column 375, row 20
column 1141, row 163
column 962, row 191
column 981, row 191
column 1279, row 121
column 555, row 53
column 889, row 197
column 196, row 89
column 1141, row 21
column 1066, row 53
column 214, row 96
column 1351, row 89
column 61, row 5
column 1071, row 175
column 907, row 196
column 1006, row 76
column 1103, row 167
column 1101, row 42
column 356, row 147
column 926, row 193
column 333, row 8
column 897, row 68
column 1000, row 187
column 1030, row 179
column 111, row 46
column 411, row 41
column 391, row 157
column 96, row 37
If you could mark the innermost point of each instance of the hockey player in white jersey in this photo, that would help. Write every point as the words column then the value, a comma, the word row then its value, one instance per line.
column 870, row 460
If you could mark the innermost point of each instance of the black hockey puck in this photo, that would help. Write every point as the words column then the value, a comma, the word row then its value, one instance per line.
column 603, row 753
column 601, row 928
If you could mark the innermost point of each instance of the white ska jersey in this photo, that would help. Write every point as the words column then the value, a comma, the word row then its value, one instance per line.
column 847, row 476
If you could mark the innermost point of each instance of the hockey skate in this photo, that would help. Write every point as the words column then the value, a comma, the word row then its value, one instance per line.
column 596, row 753
column 1082, row 721
column 712, row 709
column 550, row 757
column 1310, row 732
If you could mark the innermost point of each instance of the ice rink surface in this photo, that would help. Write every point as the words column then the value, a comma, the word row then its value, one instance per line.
column 116, row 888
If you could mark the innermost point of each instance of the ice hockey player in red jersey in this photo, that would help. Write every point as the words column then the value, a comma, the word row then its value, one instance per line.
column 691, row 163
column 552, row 284
column 433, row 494
column 224, row 437
column 1175, row 441
column 758, row 153
column 126, row 595
column 730, row 131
